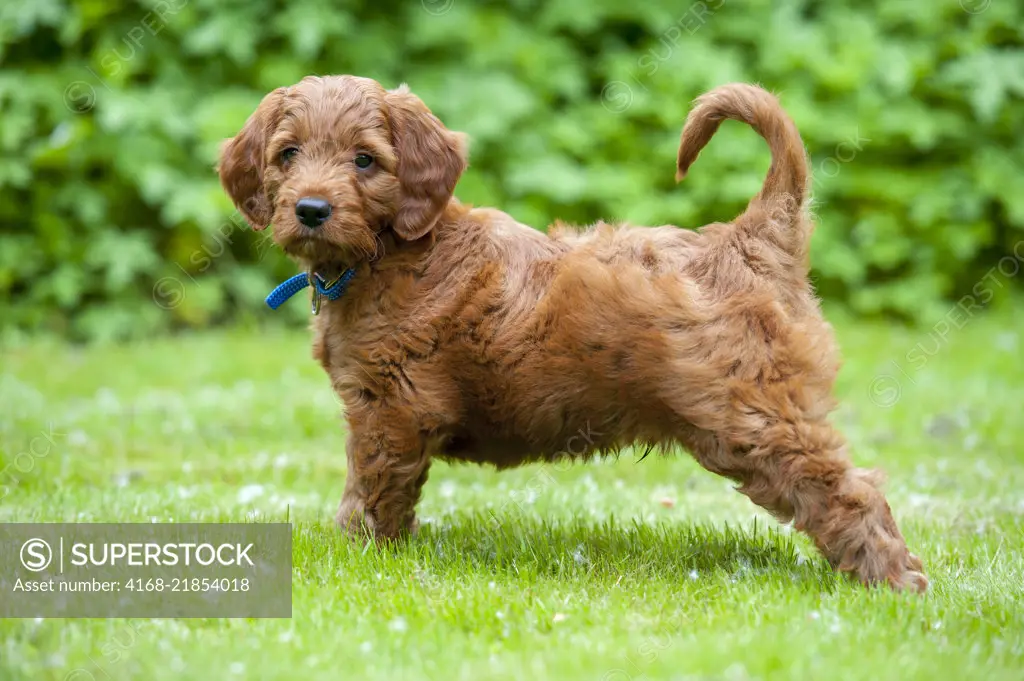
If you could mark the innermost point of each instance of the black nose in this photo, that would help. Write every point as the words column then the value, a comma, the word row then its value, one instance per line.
column 312, row 212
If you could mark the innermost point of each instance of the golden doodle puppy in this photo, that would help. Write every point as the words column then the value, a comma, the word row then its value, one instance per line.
column 465, row 335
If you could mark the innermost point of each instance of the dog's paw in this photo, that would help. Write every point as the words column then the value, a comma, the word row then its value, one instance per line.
column 911, row 578
column 890, row 565
column 353, row 519
column 363, row 525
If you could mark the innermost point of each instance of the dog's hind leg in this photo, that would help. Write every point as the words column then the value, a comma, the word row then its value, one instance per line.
column 798, row 470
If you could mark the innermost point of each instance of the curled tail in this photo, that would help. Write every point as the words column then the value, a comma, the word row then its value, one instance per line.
column 785, row 188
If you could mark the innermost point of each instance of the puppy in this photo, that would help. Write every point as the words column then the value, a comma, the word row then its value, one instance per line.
column 468, row 336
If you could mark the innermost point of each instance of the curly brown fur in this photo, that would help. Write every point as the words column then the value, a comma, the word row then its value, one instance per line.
column 468, row 336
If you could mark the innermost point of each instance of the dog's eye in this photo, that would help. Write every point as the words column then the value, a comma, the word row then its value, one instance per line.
column 363, row 161
column 288, row 154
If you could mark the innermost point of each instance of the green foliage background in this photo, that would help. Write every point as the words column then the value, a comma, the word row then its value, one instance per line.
column 111, row 113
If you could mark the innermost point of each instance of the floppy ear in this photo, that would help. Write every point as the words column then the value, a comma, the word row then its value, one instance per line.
column 430, row 160
column 243, row 162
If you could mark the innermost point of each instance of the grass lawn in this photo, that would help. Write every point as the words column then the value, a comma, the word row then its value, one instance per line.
column 611, row 571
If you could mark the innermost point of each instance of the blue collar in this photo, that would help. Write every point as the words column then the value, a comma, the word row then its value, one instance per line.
column 321, row 287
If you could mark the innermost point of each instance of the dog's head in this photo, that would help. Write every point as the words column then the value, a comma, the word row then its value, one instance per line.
column 333, row 161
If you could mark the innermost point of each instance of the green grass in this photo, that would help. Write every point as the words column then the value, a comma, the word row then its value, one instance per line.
column 615, row 570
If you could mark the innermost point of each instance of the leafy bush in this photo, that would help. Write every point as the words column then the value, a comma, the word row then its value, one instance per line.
column 111, row 113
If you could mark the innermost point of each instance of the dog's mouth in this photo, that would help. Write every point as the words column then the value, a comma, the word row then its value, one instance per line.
column 318, row 254
column 309, row 246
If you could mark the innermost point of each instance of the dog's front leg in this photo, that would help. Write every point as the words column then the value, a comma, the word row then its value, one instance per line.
column 387, row 467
